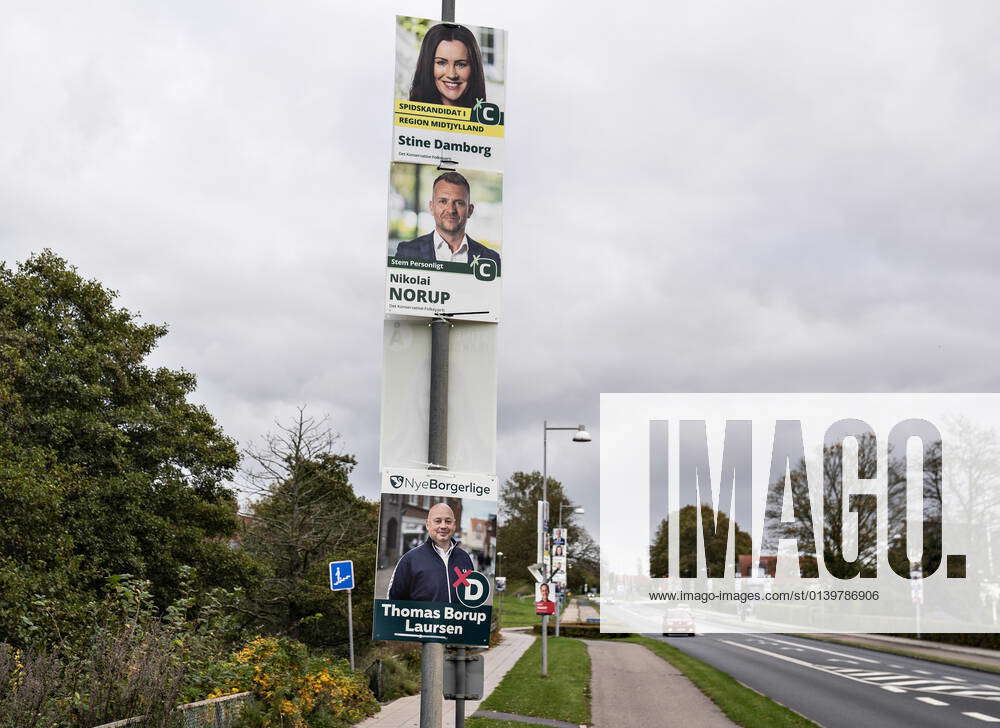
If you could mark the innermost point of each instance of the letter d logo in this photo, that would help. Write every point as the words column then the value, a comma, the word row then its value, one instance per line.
column 474, row 591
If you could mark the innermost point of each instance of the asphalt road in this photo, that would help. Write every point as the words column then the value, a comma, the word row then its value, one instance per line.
column 851, row 687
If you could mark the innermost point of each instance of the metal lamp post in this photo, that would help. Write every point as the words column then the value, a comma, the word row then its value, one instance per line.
column 499, row 595
column 581, row 435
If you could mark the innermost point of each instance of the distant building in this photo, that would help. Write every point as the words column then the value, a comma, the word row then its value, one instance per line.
column 479, row 539
column 403, row 523
column 766, row 566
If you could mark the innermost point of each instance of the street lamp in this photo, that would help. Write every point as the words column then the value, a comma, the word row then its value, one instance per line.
column 576, row 509
column 580, row 435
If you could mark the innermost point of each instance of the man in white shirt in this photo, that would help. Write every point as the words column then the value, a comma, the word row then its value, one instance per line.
column 427, row 572
column 451, row 206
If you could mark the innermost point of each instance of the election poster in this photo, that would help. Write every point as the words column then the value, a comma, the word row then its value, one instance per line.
column 438, row 520
column 436, row 556
column 544, row 595
column 559, row 554
column 448, row 104
column 444, row 242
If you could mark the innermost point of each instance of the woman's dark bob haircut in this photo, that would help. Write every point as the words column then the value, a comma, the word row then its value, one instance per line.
column 423, row 88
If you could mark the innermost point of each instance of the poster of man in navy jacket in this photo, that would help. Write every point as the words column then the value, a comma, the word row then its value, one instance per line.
column 423, row 573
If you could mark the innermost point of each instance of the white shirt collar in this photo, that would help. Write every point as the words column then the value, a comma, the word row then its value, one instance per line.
column 441, row 551
column 442, row 251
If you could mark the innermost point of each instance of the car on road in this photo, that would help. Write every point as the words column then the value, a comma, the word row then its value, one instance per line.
column 678, row 620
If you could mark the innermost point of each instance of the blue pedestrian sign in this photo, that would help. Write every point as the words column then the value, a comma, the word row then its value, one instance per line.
column 341, row 575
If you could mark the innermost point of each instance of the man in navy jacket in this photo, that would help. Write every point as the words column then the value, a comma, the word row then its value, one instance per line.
column 451, row 207
column 427, row 572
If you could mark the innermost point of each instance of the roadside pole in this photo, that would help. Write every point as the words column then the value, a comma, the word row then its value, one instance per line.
column 544, row 526
column 437, row 306
column 581, row 435
column 558, row 608
column 432, row 654
column 350, row 628
column 342, row 579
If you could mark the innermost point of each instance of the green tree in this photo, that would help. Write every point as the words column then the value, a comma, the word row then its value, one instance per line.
column 715, row 548
column 102, row 457
column 659, row 564
column 305, row 516
column 517, row 539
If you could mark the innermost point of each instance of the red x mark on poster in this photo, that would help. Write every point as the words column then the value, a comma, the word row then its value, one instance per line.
column 462, row 577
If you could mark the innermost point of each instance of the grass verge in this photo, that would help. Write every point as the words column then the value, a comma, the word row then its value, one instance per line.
column 563, row 695
column 516, row 612
column 741, row 705
column 905, row 653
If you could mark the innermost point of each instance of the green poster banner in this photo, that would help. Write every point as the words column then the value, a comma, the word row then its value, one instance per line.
column 432, row 622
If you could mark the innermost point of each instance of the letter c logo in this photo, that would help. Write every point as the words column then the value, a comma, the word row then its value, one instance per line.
column 485, row 269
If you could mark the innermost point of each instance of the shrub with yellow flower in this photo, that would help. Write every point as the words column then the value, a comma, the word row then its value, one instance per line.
column 293, row 689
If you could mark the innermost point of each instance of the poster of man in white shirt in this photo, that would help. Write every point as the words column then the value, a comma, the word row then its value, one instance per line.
column 423, row 539
column 444, row 242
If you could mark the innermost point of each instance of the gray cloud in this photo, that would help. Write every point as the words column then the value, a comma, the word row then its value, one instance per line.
column 768, row 196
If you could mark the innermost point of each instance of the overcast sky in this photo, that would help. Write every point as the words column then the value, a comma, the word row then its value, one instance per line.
column 710, row 196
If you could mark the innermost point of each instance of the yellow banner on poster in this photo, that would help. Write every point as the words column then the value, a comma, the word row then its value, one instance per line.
column 437, row 110
column 434, row 123
column 437, row 117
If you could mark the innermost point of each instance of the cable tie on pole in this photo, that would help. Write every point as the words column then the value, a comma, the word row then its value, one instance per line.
column 462, row 313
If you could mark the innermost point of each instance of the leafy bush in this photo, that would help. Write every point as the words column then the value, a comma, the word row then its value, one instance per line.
column 293, row 689
column 126, row 660
column 120, row 674
column 394, row 669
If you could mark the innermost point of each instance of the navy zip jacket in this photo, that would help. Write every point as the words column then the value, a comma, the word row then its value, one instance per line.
column 421, row 576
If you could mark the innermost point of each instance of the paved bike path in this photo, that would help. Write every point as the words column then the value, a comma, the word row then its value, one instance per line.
column 633, row 688
column 405, row 712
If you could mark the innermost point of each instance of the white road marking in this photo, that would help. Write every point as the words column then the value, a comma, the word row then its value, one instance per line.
column 923, row 672
column 956, row 679
column 983, row 717
column 898, row 667
column 796, row 661
column 869, row 675
column 959, row 691
column 827, row 652
column 932, row 701
column 946, row 687
column 992, row 687
column 866, row 677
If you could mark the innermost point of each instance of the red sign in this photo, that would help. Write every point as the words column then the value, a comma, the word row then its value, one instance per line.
column 545, row 607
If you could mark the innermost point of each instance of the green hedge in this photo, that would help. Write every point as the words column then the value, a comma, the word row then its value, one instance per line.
column 582, row 631
column 965, row 639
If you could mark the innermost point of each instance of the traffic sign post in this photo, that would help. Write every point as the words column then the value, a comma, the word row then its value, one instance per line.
column 342, row 579
column 463, row 676
column 341, row 575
